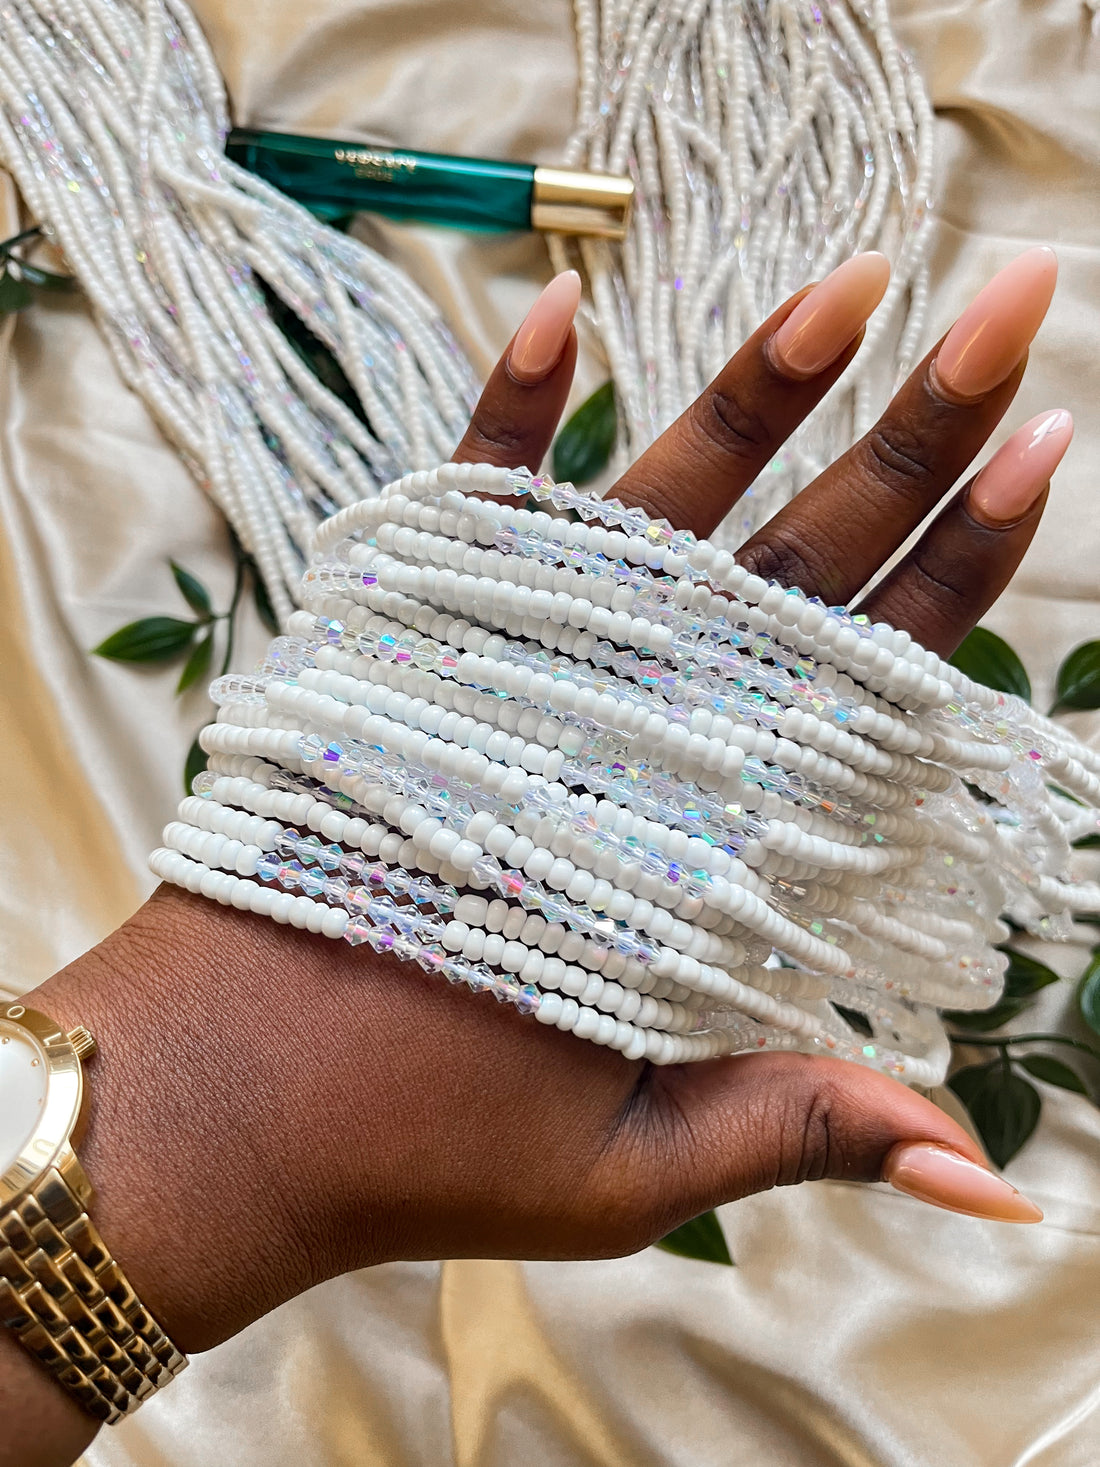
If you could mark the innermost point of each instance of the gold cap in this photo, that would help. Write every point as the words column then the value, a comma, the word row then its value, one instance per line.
column 566, row 201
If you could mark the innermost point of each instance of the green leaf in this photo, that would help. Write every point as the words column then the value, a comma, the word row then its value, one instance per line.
column 1088, row 994
column 7, row 245
column 979, row 1023
column 46, row 279
column 262, row 600
column 1078, row 681
column 968, row 1081
column 1025, row 975
column 700, row 1238
column 14, row 295
column 153, row 639
column 1087, row 842
column 193, row 591
column 1054, row 1072
column 1003, row 1106
column 989, row 659
column 194, row 764
column 583, row 447
column 197, row 667
column 312, row 352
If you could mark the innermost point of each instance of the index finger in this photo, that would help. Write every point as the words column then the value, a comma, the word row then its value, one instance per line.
column 517, row 413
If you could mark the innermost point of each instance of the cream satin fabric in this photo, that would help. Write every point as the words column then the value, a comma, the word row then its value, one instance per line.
column 859, row 1328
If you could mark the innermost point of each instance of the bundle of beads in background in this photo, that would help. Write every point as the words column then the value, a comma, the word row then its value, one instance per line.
column 582, row 762
column 767, row 141
column 113, row 120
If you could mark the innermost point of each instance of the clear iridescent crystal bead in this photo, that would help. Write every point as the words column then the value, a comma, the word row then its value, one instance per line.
column 313, row 883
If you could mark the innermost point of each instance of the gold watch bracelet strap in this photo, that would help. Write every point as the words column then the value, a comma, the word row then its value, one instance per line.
column 71, row 1306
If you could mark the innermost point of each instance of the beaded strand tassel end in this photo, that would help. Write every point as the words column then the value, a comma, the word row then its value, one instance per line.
column 588, row 764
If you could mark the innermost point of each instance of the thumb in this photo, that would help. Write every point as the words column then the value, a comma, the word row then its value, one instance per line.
column 742, row 1125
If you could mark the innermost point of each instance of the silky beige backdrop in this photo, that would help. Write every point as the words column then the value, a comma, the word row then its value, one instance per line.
column 859, row 1327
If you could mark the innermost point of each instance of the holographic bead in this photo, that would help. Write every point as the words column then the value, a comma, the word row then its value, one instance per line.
column 358, row 931
column 527, row 999
column 432, row 958
column 487, row 869
column 478, row 977
column 312, row 883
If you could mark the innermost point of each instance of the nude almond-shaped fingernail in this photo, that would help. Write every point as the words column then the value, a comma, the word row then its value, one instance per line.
column 1020, row 470
column 540, row 340
column 947, row 1179
column 998, row 325
column 825, row 321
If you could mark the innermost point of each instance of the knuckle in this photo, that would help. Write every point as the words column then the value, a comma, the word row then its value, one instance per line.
column 939, row 583
column 730, row 423
column 813, row 1153
column 897, row 455
column 790, row 557
column 807, row 1139
column 494, row 437
column 933, row 598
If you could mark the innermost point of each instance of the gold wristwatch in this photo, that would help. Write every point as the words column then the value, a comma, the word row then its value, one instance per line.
column 61, row 1293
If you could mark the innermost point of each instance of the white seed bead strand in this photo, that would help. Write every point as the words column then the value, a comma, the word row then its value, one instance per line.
column 592, row 766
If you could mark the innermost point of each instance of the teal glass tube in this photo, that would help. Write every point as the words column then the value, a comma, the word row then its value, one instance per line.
column 333, row 178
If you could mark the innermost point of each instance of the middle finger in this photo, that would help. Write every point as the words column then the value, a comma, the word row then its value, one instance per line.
column 714, row 450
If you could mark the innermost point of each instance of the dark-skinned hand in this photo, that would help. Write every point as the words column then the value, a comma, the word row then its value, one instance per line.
column 269, row 1108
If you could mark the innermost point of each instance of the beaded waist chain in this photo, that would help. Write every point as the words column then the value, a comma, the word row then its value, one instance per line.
column 588, row 764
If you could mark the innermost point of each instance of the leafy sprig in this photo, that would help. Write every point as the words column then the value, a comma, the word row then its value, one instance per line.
column 164, row 639
column 583, row 448
column 701, row 1238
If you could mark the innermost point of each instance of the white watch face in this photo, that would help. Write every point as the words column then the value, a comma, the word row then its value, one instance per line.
column 23, row 1082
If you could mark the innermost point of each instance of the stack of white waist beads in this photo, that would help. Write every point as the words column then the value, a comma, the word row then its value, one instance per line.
column 589, row 765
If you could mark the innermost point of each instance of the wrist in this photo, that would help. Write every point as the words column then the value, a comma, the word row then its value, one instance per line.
column 174, row 1139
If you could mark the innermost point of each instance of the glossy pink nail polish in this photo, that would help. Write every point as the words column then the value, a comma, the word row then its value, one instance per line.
column 540, row 341
column 826, row 320
column 1019, row 471
column 946, row 1179
column 997, row 327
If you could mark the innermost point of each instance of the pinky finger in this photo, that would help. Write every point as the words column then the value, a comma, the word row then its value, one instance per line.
column 941, row 589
